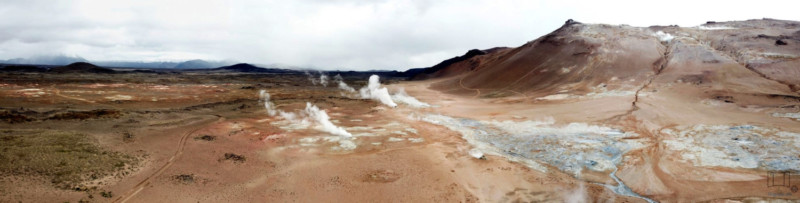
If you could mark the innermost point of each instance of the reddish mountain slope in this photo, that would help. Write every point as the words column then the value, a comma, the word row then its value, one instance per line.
column 586, row 59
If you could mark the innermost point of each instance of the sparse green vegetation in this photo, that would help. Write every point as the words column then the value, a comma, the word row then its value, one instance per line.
column 13, row 117
column 67, row 159
column 106, row 194
column 185, row 178
column 83, row 115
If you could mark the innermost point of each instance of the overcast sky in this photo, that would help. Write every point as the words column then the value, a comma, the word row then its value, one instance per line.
column 326, row 34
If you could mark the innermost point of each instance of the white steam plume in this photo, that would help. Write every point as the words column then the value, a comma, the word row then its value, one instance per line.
column 477, row 153
column 311, row 78
column 338, row 79
column 264, row 96
column 311, row 113
column 576, row 196
column 287, row 115
column 374, row 91
column 322, row 118
column 664, row 37
column 323, row 79
column 402, row 97
column 271, row 110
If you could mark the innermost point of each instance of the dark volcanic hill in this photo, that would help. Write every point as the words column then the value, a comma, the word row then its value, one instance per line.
column 242, row 67
column 81, row 67
column 249, row 68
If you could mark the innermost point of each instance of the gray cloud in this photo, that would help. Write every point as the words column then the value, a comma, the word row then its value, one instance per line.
column 328, row 34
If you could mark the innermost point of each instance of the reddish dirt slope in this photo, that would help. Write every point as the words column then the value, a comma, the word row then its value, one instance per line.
column 577, row 59
column 573, row 58
column 767, row 46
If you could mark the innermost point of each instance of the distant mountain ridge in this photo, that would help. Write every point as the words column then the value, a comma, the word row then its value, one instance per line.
column 199, row 64
column 62, row 60
column 249, row 68
column 58, row 60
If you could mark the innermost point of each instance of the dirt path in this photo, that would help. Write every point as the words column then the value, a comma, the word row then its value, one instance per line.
column 58, row 93
column 141, row 185
column 478, row 91
column 519, row 93
column 460, row 83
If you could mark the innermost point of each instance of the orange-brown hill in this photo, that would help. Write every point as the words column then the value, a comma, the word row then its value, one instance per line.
column 747, row 57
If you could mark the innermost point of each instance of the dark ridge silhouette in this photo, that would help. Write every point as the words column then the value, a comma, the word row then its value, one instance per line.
column 451, row 61
column 81, row 67
column 242, row 67
column 431, row 72
column 248, row 68
column 425, row 73
column 22, row 68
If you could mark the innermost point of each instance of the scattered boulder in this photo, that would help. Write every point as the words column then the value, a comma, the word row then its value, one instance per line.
column 243, row 106
column 477, row 154
column 127, row 137
column 570, row 22
column 235, row 158
column 726, row 99
column 207, row 138
column 106, row 194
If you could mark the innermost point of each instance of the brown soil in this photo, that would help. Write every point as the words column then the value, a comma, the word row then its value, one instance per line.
column 202, row 137
column 629, row 79
column 265, row 162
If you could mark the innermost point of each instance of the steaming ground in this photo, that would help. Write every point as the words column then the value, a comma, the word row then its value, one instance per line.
column 530, row 143
column 314, row 137
column 316, row 118
column 218, row 137
column 679, row 155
